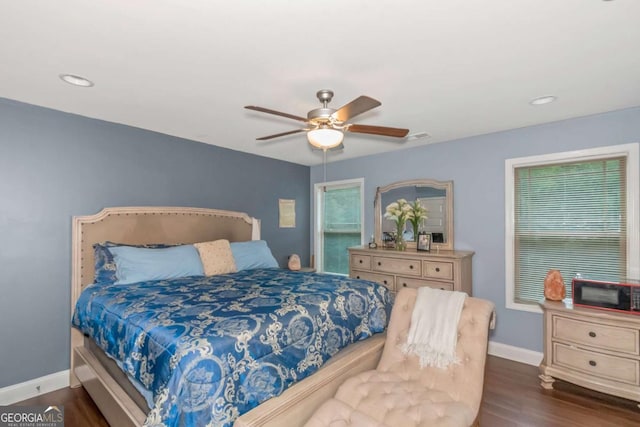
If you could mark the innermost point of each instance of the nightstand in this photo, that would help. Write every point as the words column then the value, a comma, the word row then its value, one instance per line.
column 592, row 348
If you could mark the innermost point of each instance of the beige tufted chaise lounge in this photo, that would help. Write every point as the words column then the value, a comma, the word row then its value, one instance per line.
column 398, row 393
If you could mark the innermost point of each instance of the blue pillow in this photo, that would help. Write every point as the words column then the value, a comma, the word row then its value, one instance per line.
column 105, row 266
column 142, row 264
column 252, row 254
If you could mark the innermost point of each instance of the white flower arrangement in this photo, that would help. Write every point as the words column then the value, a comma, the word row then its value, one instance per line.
column 402, row 211
column 419, row 214
column 399, row 212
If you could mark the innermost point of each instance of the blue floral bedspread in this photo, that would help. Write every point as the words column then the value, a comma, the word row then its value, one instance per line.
column 212, row 348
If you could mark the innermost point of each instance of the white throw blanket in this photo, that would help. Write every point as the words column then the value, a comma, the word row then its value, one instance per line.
column 434, row 327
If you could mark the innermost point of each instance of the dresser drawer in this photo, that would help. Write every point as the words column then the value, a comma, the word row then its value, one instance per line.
column 361, row 261
column 612, row 368
column 397, row 265
column 412, row 282
column 597, row 335
column 383, row 279
column 438, row 270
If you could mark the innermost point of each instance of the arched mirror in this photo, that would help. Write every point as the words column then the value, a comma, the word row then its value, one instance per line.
column 435, row 196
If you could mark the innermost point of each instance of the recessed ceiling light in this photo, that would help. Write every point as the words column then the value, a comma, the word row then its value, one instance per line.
column 417, row 136
column 541, row 100
column 76, row 80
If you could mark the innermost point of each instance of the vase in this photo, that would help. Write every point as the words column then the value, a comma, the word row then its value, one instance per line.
column 401, row 245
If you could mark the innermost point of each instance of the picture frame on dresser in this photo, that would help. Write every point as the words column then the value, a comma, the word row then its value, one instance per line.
column 437, row 238
column 424, row 242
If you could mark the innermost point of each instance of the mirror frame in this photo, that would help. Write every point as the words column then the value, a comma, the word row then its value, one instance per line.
column 441, row 185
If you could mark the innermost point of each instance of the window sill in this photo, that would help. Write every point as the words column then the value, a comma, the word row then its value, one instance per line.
column 531, row 308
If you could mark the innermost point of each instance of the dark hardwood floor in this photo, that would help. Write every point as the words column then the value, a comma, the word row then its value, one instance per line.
column 512, row 398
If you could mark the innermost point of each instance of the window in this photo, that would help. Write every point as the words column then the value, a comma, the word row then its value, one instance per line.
column 339, row 223
column 575, row 212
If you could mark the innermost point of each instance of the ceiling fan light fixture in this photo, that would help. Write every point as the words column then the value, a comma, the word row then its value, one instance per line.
column 325, row 138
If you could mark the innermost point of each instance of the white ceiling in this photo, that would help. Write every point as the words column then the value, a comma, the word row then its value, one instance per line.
column 451, row 68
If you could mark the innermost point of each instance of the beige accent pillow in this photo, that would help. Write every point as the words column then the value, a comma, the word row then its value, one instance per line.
column 216, row 257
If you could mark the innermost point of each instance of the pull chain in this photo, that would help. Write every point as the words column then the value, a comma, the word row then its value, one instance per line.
column 324, row 165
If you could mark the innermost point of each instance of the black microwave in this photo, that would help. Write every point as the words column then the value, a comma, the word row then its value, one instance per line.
column 615, row 296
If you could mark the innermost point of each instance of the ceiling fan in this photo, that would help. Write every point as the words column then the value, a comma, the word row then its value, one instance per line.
column 325, row 126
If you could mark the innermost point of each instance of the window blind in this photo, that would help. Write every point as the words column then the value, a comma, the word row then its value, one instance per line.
column 570, row 217
column 341, row 227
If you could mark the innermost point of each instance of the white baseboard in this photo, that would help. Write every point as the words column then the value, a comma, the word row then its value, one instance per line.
column 32, row 388
column 516, row 354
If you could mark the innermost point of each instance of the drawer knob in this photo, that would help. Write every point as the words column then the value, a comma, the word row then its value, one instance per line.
column 360, row 261
column 379, row 263
column 437, row 269
column 357, row 277
column 411, row 267
column 404, row 284
column 592, row 334
column 592, row 362
column 385, row 282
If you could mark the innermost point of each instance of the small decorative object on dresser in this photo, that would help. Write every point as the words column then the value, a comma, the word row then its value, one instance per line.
column 554, row 289
column 294, row 262
column 424, row 241
column 388, row 240
column 448, row 270
column 596, row 349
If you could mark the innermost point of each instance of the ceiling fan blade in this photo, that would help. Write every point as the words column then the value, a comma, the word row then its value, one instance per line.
column 277, row 113
column 355, row 107
column 378, row 130
column 291, row 132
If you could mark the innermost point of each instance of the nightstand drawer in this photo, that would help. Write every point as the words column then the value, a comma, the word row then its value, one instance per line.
column 612, row 368
column 361, row 261
column 438, row 270
column 412, row 282
column 397, row 265
column 383, row 279
column 597, row 335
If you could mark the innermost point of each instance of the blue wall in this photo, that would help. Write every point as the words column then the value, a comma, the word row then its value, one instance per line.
column 55, row 165
column 476, row 166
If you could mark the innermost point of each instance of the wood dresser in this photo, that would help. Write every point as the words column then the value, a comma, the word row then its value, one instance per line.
column 592, row 348
column 449, row 270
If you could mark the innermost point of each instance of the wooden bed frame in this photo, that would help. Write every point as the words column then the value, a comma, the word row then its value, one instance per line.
column 120, row 403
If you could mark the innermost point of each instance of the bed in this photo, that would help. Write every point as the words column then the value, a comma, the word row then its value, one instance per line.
column 121, row 401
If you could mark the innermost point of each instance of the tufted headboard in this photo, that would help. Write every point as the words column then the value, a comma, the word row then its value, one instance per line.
column 149, row 224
